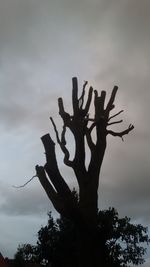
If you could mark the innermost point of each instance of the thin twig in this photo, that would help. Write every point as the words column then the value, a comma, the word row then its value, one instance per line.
column 25, row 183
column 114, row 122
column 113, row 116
column 81, row 99
column 55, row 129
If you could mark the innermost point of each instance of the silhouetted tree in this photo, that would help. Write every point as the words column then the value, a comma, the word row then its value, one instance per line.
column 26, row 252
column 19, row 259
column 58, row 242
column 84, row 212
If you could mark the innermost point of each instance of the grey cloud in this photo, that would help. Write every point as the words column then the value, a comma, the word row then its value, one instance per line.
column 43, row 44
column 24, row 97
column 28, row 201
column 147, row 263
column 128, row 66
column 125, row 181
column 16, row 230
column 42, row 32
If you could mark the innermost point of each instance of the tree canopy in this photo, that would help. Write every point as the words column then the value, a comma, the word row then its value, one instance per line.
column 123, row 243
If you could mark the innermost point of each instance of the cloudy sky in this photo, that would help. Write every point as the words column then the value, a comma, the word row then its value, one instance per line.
column 43, row 44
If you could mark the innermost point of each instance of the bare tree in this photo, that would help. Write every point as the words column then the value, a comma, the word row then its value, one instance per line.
column 83, row 212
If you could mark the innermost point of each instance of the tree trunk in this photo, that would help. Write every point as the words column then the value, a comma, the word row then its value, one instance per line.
column 91, row 253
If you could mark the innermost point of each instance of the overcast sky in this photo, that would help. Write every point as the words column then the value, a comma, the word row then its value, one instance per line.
column 43, row 44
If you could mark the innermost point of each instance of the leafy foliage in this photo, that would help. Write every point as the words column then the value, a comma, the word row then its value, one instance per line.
column 25, row 252
column 124, row 240
column 58, row 242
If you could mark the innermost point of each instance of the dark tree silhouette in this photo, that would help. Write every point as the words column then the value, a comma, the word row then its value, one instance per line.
column 58, row 242
column 83, row 213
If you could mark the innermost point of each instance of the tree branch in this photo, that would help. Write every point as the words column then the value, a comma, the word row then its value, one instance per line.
column 98, row 149
column 65, row 150
column 114, row 122
column 75, row 95
column 65, row 116
column 56, row 132
column 110, row 105
column 89, row 139
column 102, row 102
column 25, row 183
column 61, row 106
column 62, row 143
column 86, row 109
column 113, row 116
column 81, row 99
column 121, row 134
column 50, row 191
column 99, row 105
column 51, row 167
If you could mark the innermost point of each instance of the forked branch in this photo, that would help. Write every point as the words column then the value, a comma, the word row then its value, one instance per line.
column 51, row 167
column 121, row 134
column 50, row 191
